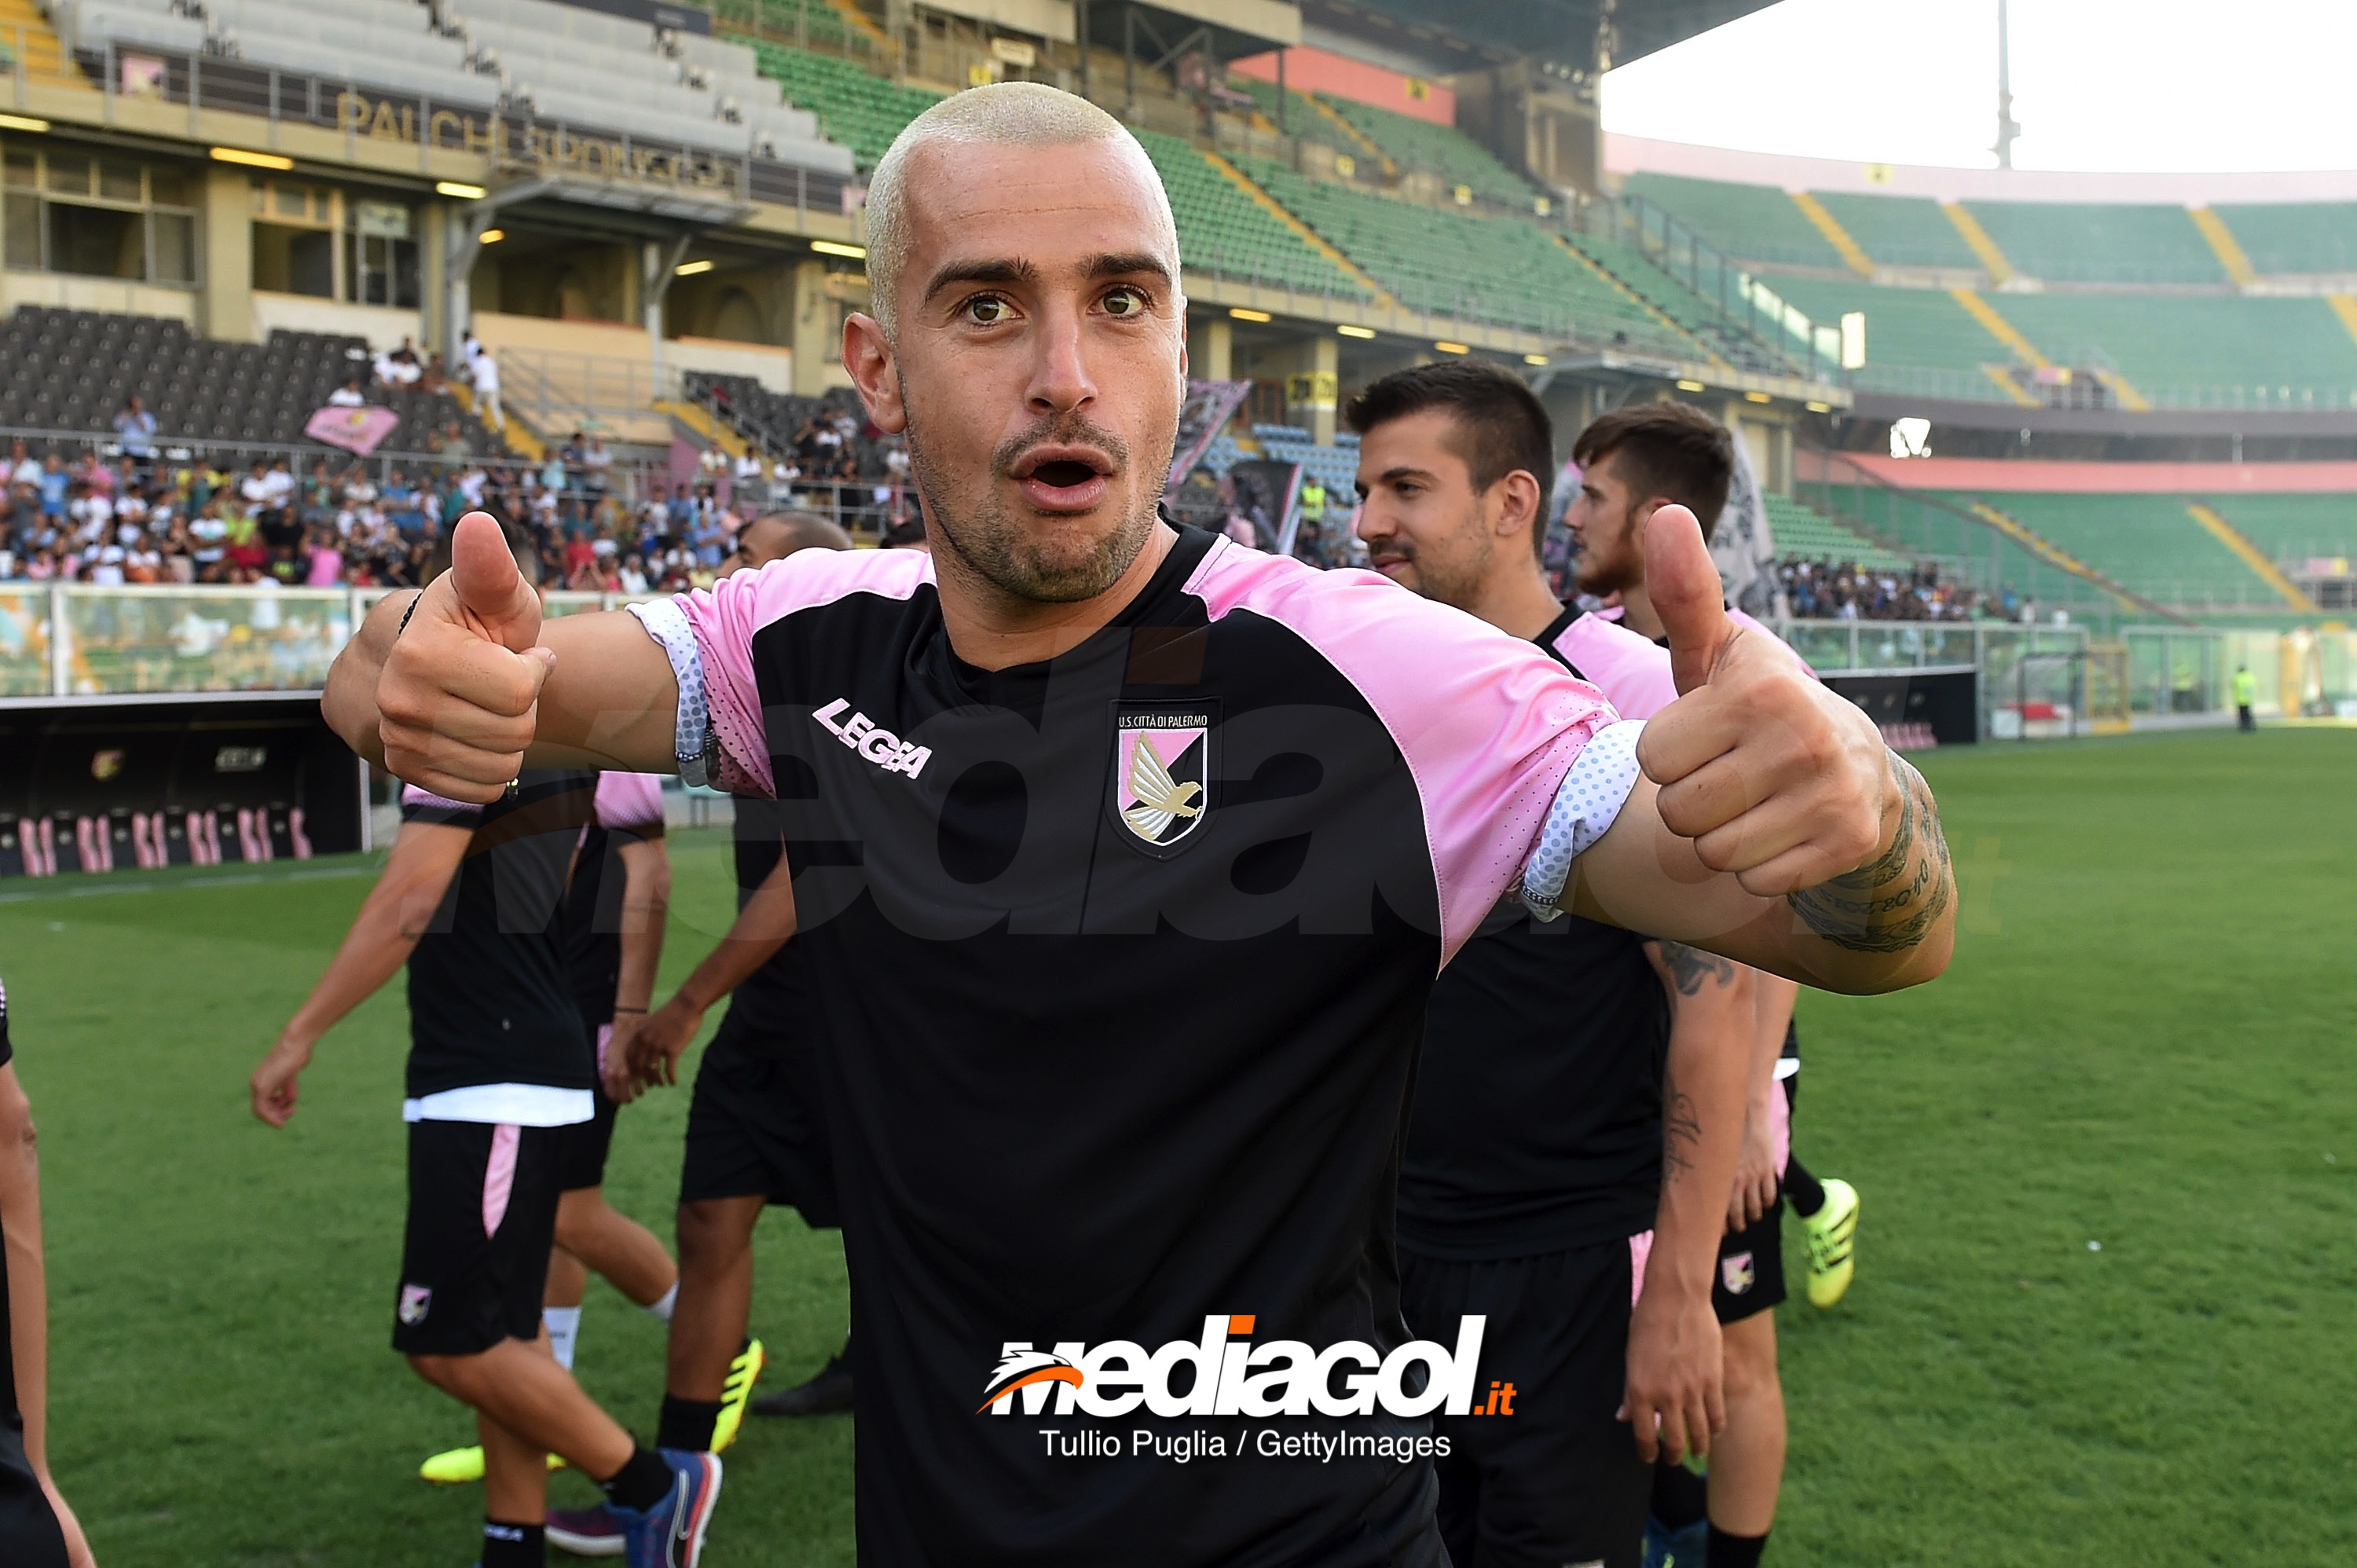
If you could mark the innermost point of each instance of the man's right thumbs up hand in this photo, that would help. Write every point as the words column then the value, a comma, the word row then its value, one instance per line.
column 1775, row 777
column 459, row 696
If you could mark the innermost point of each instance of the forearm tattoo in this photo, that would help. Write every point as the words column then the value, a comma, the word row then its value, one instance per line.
column 1681, row 1127
column 1691, row 968
column 1893, row 902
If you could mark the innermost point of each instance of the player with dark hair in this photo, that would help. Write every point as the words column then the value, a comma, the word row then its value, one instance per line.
column 501, row 1073
column 37, row 1529
column 1127, row 858
column 1634, row 461
column 1579, row 1100
column 615, row 906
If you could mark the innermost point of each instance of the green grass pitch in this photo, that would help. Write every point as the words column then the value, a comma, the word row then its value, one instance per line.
column 2144, row 1043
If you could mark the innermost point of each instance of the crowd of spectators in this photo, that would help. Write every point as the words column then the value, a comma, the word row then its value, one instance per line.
column 140, row 517
column 1846, row 590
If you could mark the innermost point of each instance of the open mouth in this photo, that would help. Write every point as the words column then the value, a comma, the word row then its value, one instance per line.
column 1063, row 478
column 1064, row 473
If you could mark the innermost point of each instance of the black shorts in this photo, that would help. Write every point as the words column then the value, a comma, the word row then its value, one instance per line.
column 581, row 1153
column 1750, row 1278
column 29, row 1535
column 756, row 1126
column 483, row 1217
column 1559, row 1480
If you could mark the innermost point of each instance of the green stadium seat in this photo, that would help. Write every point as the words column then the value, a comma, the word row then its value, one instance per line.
column 1917, row 339
column 2071, row 241
column 1802, row 533
column 1222, row 230
column 1755, row 221
column 2198, row 350
column 2295, row 236
column 1506, row 272
column 2292, row 528
column 2146, row 542
column 1443, row 150
column 1899, row 231
column 854, row 106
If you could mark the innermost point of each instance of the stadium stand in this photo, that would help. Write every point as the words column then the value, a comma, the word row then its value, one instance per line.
column 1802, row 534
column 1755, row 222
column 563, row 63
column 2099, row 242
column 1335, row 466
column 806, row 21
column 1498, row 270
column 2146, row 542
column 854, row 106
column 1905, row 327
column 1898, row 230
column 1414, row 144
column 2292, row 528
column 1692, row 314
column 2295, row 236
column 2213, row 349
column 1222, row 230
column 72, row 370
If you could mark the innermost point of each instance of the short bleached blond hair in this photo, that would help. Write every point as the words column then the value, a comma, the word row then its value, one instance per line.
column 1006, row 113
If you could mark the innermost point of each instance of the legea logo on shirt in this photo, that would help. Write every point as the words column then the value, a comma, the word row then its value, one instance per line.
column 880, row 747
column 1228, row 1375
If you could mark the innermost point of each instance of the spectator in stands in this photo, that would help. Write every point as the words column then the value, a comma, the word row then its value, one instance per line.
column 314, row 502
column 487, row 393
column 22, row 467
column 453, row 443
column 209, row 536
column 56, row 485
column 136, row 427
column 349, row 395
column 597, row 467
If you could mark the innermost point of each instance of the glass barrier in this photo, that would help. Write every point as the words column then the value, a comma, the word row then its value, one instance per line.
column 124, row 640
column 25, row 668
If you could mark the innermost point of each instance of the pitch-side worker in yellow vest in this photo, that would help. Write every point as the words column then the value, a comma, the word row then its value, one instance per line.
column 1127, row 858
column 2247, row 691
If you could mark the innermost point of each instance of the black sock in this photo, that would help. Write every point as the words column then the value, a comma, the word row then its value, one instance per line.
column 687, row 1424
column 1678, row 1497
column 1724, row 1551
column 639, row 1485
column 1808, row 1195
column 513, row 1545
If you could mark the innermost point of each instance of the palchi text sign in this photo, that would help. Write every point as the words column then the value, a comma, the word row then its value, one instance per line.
column 548, row 149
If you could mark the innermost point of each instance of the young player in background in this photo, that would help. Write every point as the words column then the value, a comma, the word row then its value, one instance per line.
column 1580, row 1097
column 1633, row 461
column 37, row 1529
column 615, row 905
column 500, row 1070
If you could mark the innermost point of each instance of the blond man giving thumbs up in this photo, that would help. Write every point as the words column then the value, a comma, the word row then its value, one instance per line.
column 1187, row 1038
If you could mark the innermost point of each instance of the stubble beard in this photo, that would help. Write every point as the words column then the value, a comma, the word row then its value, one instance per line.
column 1599, row 578
column 1021, row 554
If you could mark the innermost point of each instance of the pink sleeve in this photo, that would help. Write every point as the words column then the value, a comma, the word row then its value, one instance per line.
column 1487, row 723
column 725, row 616
column 629, row 801
column 1628, row 670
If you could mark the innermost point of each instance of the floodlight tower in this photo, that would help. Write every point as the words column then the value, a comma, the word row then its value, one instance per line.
column 2008, row 127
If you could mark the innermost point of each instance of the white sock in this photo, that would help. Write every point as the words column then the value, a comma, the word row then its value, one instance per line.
column 662, row 1308
column 563, row 1332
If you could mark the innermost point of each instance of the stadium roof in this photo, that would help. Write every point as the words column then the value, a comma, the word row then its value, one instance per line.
column 1445, row 35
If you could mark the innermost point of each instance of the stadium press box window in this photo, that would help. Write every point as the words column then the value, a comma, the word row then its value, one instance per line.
column 323, row 241
column 97, row 215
